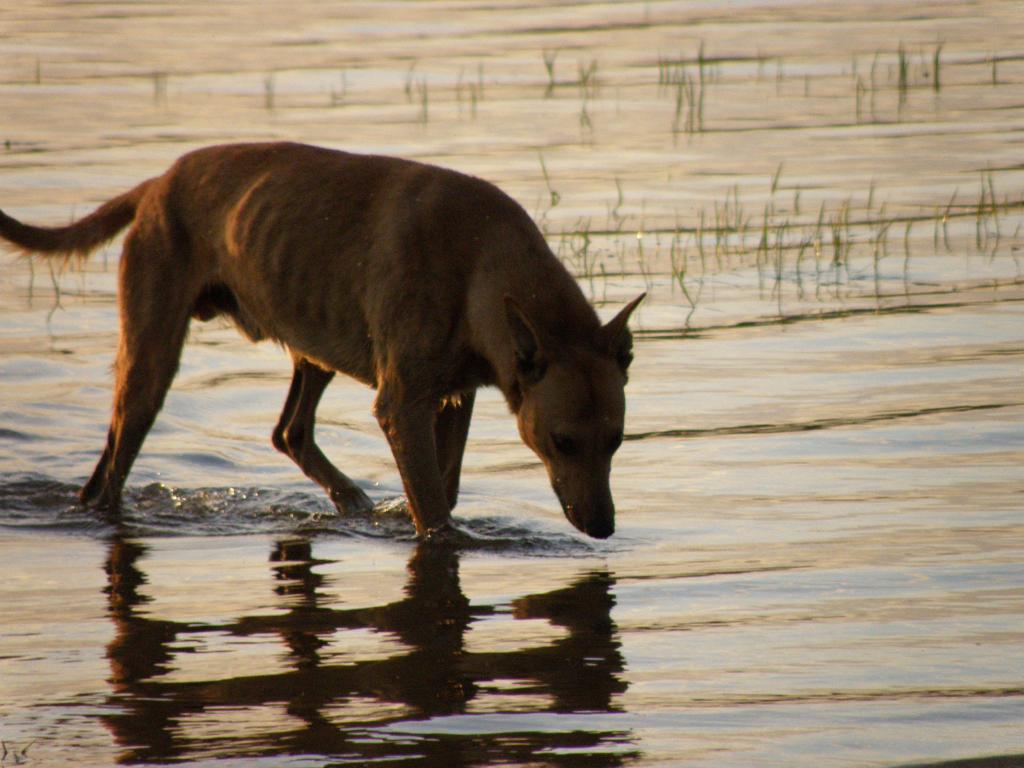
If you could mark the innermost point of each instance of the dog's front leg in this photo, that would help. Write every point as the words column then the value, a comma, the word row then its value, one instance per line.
column 409, row 428
column 451, row 429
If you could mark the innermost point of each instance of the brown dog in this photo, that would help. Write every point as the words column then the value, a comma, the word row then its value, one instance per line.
column 419, row 281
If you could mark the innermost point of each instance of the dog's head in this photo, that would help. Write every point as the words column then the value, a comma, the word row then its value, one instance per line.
column 570, row 411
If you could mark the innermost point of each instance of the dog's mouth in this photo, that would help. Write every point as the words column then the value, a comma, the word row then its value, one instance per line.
column 596, row 527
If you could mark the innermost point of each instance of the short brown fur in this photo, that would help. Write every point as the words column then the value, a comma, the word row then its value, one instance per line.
column 419, row 281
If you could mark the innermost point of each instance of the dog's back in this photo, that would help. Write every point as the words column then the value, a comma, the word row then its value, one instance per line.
column 342, row 256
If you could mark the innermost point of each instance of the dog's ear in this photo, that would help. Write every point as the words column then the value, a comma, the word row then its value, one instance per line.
column 614, row 337
column 530, row 362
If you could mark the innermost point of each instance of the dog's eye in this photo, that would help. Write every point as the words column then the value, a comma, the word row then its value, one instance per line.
column 564, row 444
column 614, row 442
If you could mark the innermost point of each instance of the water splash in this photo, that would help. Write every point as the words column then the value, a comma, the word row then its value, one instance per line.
column 39, row 503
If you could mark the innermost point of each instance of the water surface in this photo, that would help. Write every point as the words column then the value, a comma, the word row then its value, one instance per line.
column 820, row 547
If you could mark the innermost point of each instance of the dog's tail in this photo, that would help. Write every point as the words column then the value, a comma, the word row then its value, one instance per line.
column 81, row 237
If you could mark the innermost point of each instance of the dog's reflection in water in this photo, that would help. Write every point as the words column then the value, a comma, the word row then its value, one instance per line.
column 335, row 706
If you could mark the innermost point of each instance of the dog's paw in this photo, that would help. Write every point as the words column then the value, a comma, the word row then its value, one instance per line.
column 448, row 535
column 352, row 501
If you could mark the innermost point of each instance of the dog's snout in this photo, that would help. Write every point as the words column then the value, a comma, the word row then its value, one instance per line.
column 594, row 519
column 601, row 528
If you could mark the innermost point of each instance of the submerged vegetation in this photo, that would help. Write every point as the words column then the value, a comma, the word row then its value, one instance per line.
column 772, row 221
column 801, row 242
column 837, row 250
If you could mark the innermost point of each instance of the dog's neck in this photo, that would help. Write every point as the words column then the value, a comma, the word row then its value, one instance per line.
column 556, row 307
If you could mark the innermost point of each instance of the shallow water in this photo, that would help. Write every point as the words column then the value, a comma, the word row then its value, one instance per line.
column 820, row 547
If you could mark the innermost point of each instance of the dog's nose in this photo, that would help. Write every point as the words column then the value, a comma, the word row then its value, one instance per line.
column 601, row 528
column 594, row 519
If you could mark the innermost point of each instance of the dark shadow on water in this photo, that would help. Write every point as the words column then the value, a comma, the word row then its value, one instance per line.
column 937, row 299
column 359, row 708
column 816, row 424
column 996, row 761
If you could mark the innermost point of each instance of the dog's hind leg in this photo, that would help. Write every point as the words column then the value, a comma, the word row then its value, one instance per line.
column 293, row 436
column 95, row 488
column 154, row 306
column 277, row 438
column 451, row 429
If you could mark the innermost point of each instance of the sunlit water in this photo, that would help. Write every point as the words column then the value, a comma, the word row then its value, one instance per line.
column 820, row 547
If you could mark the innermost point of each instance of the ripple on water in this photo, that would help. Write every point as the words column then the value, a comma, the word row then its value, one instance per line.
column 37, row 502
